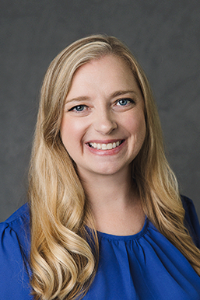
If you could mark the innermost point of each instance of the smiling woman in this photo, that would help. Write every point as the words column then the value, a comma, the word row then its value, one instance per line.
column 106, row 130
column 105, row 219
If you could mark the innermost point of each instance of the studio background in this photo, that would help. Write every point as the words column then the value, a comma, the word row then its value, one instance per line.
column 163, row 35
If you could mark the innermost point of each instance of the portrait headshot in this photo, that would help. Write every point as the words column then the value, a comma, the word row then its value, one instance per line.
column 100, row 150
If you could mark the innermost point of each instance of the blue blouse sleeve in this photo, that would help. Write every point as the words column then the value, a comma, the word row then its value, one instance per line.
column 14, row 273
column 191, row 220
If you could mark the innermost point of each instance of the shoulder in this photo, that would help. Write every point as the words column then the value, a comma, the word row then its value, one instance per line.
column 16, row 230
column 18, row 224
column 22, row 212
column 14, row 255
column 191, row 219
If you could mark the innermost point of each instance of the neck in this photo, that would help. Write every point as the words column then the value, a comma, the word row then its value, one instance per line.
column 108, row 188
column 114, row 202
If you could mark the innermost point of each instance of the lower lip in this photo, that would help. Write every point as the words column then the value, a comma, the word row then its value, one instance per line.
column 106, row 152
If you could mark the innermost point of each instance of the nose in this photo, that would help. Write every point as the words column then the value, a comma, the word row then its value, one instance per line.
column 104, row 122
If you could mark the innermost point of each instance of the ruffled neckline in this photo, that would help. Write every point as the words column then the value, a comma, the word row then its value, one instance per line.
column 136, row 236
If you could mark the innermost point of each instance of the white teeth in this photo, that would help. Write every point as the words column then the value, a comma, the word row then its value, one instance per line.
column 108, row 146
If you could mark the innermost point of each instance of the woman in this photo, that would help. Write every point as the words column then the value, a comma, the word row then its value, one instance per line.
column 106, row 219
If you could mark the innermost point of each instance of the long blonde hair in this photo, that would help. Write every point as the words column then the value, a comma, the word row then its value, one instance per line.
column 64, row 256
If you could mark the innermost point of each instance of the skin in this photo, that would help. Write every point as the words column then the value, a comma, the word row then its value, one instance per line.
column 105, row 106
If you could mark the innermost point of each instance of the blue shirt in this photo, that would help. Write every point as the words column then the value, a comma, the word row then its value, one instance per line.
column 144, row 266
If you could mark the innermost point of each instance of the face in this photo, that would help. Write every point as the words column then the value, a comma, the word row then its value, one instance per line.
column 103, row 125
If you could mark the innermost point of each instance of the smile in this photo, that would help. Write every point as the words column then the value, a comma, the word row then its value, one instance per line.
column 108, row 146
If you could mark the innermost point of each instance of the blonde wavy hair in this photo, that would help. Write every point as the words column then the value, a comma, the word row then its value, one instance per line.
column 64, row 255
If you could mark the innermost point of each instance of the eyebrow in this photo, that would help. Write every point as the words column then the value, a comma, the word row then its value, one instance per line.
column 115, row 94
column 81, row 98
column 119, row 93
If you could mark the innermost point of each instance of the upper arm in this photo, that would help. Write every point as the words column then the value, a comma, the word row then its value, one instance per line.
column 14, row 278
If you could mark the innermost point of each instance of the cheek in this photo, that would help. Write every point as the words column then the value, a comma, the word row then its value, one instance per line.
column 71, row 132
column 141, row 128
column 137, row 126
column 65, row 132
column 138, row 135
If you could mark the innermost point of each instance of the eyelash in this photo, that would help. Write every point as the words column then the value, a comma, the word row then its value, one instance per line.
column 125, row 99
column 82, row 107
column 78, row 106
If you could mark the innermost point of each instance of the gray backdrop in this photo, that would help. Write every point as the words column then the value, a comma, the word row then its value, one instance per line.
column 163, row 35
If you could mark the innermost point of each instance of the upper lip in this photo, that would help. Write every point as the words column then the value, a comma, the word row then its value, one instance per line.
column 104, row 141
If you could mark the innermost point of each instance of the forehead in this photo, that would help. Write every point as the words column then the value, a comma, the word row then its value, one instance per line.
column 108, row 60
column 109, row 71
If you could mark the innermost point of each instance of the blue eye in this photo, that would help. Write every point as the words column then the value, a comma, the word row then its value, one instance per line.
column 78, row 108
column 124, row 102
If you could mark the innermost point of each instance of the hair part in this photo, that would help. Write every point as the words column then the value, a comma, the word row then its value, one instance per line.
column 64, row 254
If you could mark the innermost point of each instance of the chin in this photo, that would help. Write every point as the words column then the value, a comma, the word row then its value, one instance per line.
column 108, row 171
